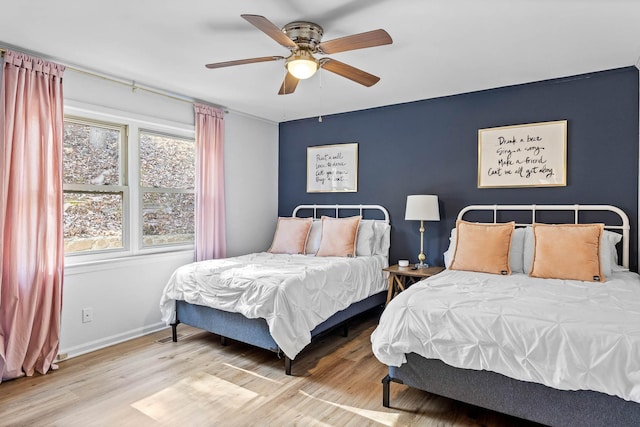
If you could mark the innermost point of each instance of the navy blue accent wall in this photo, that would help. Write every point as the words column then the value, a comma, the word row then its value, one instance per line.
column 430, row 147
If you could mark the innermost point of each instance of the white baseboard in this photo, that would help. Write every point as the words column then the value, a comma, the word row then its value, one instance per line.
column 68, row 353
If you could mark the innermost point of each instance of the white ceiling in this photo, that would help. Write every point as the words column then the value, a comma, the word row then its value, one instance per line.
column 440, row 47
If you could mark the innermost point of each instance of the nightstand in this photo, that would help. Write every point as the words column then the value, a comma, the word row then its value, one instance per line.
column 399, row 276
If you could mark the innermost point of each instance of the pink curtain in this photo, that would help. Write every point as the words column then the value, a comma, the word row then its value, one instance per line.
column 31, row 234
column 210, row 205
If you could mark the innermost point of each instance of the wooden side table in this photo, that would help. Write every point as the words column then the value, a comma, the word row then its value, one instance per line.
column 399, row 276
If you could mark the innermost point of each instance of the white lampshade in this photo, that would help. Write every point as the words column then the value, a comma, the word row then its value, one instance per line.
column 422, row 207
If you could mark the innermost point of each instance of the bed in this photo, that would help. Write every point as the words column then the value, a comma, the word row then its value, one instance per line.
column 281, row 299
column 557, row 351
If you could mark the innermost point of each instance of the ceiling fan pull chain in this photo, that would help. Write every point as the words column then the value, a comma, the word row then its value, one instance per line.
column 320, row 73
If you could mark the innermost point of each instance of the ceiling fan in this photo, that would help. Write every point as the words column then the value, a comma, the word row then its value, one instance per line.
column 304, row 39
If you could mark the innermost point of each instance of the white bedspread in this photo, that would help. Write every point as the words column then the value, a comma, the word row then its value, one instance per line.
column 293, row 293
column 568, row 335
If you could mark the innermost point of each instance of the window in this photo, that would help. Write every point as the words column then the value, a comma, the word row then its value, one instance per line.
column 95, row 191
column 104, row 216
column 167, row 177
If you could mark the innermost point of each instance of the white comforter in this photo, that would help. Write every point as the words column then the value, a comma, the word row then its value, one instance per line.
column 293, row 293
column 568, row 335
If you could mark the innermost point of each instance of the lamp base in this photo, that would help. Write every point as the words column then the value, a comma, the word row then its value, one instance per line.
column 421, row 265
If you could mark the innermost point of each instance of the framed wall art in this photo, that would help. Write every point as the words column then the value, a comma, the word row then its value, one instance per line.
column 528, row 155
column 332, row 168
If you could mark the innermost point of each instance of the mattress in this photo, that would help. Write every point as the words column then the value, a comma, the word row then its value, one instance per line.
column 293, row 293
column 569, row 335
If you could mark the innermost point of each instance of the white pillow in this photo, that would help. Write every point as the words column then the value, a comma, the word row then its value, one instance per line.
column 516, row 250
column 383, row 238
column 516, row 256
column 612, row 239
column 315, row 234
column 608, row 252
column 366, row 238
column 529, row 245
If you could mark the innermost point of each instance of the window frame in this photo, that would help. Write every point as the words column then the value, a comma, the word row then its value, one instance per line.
column 132, row 246
column 122, row 189
column 143, row 190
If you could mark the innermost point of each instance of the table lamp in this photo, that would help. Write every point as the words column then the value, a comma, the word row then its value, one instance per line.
column 422, row 208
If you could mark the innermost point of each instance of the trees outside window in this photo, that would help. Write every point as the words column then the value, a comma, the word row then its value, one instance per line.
column 95, row 190
column 167, row 178
column 102, row 213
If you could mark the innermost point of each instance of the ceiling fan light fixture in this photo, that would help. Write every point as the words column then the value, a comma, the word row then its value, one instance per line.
column 302, row 65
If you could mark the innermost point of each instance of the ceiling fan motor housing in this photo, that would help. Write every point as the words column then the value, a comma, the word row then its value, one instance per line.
column 305, row 34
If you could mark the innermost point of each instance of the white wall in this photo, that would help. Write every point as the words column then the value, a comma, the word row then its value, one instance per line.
column 251, row 177
column 124, row 293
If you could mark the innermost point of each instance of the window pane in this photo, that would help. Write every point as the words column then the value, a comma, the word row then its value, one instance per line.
column 168, row 218
column 92, row 221
column 91, row 154
column 166, row 161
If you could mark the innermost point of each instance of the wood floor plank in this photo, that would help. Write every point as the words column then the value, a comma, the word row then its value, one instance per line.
column 151, row 381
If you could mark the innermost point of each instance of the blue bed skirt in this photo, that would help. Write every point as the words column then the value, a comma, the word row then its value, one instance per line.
column 256, row 331
column 530, row 401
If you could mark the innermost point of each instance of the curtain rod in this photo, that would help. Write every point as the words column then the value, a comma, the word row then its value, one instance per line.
column 123, row 82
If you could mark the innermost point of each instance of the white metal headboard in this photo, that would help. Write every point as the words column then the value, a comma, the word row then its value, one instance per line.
column 624, row 227
column 337, row 208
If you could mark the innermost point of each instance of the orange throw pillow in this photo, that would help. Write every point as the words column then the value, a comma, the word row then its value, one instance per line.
column 567, row 251
column 482, row 247
column 291, row 236
column 339, row 236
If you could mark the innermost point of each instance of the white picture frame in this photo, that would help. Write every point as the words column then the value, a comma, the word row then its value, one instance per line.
column 527, row 155
column 332, row 168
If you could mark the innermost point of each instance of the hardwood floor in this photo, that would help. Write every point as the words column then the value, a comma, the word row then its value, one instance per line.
column 151, row 381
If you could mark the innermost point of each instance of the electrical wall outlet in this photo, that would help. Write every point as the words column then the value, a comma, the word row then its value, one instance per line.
column 87, row 315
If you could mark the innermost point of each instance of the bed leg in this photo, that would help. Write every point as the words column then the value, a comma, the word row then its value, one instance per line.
column 287, row 365
column 345, row 330
column 174, row 331
column 385, row 391
column 223, row 340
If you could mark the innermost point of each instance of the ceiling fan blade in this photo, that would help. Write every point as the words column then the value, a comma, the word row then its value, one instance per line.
column 288, row 85
column 356, row 41
column 243, row 61
column 351, row 73
column 270, row 29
